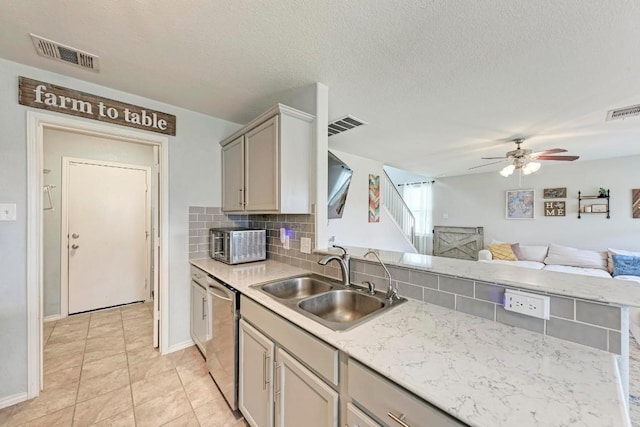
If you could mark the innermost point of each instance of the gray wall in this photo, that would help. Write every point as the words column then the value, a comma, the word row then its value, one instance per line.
column 57, row 144
column 194, row 180
column 479, row 200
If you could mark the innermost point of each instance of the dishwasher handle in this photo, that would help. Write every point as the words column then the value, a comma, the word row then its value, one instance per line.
column 219, row 294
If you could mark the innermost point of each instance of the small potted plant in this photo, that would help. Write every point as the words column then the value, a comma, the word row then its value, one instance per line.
column 602, row 192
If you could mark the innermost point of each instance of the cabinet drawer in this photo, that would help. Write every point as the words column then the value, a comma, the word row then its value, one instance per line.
column 385, row 399
column 315, row 353
column 357, row 418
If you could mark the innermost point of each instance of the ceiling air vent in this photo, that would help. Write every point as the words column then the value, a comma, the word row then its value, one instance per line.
column 70, row 55
column 344, row 124
column 623, row 113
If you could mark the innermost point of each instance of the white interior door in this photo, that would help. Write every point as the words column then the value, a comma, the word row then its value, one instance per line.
column 107, row 211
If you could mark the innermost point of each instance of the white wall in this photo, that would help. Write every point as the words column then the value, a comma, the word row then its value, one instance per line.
column 479, row 200
column 354, row 228
column 57, row 144
column 194, row 180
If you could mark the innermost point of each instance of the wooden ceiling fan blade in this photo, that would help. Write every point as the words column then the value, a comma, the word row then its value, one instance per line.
column 488, row 164
column 550, row 151
column 565, row 158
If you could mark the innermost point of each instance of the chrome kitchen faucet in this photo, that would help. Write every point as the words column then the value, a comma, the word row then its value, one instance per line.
column 343, row 260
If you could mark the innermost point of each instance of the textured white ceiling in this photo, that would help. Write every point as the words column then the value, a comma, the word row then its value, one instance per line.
column 442, row 83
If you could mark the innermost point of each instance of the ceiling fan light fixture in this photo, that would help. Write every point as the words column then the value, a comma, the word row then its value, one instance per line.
column 507, row 170
column 530, row 168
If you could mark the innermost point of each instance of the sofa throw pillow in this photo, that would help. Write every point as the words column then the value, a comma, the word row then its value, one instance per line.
column 528, row 252
column 564, row 255
column 618, row 252
column 534, row 253
column 515, row 247
column 502, row 251
column 626, row 265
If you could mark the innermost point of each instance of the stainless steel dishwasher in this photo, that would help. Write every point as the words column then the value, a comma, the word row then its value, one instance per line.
column 222, row 347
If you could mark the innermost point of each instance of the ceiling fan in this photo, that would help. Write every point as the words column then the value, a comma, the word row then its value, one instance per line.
column 525, row 159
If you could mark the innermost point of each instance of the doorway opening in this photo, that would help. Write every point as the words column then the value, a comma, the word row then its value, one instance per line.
column 130, row 248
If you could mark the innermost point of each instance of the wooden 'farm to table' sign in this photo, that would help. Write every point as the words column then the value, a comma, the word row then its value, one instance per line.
column 37, row 94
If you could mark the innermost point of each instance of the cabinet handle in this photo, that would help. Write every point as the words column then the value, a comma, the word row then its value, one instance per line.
column 203, row 312
column 265, row 364
column 399, row 419
column 277, row 383
column 240, row 201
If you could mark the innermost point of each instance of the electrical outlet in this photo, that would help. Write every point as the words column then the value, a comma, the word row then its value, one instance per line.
column 525, row 303
column 285, row 244
column 305, row 245
column 283, row 235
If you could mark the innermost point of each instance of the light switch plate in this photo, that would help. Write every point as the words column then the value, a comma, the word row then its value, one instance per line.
column 7, row 212
column 305, row 245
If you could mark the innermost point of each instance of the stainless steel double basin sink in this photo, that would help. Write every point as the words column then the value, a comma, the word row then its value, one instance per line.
column 329, row 303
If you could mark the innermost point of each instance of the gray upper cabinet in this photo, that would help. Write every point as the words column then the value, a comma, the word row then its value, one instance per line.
column 266, row 165
column 233, row 175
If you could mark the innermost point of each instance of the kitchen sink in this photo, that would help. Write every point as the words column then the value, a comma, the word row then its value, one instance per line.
column 296, row 288
column 328, row 302
column 341, row 305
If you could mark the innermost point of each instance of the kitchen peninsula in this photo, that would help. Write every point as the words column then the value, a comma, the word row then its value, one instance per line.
column 481, row 372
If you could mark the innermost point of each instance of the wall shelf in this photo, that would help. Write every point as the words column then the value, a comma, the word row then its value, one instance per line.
column 582, row 207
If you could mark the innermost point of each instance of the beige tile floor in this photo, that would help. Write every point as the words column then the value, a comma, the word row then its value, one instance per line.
column 100, row 369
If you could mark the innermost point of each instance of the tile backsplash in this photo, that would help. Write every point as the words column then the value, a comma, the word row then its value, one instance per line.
column 584, row 322
column 201, row 219
column 297, row 226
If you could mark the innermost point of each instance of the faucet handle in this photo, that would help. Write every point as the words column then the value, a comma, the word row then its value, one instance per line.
column 371, row 286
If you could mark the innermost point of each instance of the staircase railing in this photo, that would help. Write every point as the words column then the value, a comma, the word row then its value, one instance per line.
column 395, row 204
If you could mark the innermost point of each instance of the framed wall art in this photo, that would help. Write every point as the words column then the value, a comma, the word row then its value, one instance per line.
column 635, row 202
column 555, row 193
column 555, row 209
column 374, row 198
column 520, row 204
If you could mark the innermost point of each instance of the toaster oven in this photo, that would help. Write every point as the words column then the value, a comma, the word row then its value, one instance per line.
column 237, row 245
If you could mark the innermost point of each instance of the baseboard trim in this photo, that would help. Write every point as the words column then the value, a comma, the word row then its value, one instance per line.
column 12, row 400
column 52, row 318
column 180, row 346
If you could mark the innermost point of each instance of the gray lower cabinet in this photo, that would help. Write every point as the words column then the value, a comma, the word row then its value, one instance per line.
column 280, row 391
column 302, row 399
column 199, row 313
column 290, row 378
column 255, row 391
column 390, row 403
column 357, row 418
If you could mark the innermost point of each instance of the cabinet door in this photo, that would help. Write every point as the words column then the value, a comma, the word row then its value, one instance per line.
column 302, row 399
column 233, row 175
column 357, row 418
column 262, row 167
column 198, row 315
column 255, row 389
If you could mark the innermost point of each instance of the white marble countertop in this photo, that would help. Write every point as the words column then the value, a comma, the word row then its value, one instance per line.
column 484, row 373
column 611, row 291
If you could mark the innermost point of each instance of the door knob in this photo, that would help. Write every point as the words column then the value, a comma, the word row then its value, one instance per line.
column 75, row 235
column 75, row 246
